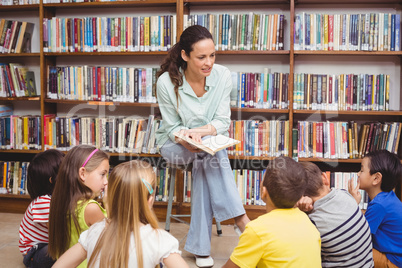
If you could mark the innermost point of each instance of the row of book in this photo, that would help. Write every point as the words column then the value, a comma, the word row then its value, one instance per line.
column 342, row 140
column 18, row 2
column 99, row 83
column 361, row 32
column 242, row 31
column 340, row 180
column 120, row 135
column 109, row 34
column 259, row 138
column 16, row 81
column 260, row 90
column 20, row 132
column 15, row 36
column 356, row 92
column 13, row 177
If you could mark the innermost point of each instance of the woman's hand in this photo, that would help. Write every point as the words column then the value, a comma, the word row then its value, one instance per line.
column 354, row 191
column 195, row 136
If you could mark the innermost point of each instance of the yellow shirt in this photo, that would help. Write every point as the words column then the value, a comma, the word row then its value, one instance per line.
column 75, row 235
column 280, row 238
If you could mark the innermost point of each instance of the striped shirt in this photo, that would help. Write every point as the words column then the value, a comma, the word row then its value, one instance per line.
column 33, row 229
column 345, row 233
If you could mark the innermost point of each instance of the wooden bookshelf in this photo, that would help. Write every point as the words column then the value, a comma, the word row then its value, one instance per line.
column 289, row 55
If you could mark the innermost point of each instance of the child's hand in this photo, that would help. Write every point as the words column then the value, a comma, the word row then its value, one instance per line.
column 305, row 204
column 354, row 191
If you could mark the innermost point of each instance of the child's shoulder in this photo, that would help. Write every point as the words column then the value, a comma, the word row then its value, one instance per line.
column 41, row 199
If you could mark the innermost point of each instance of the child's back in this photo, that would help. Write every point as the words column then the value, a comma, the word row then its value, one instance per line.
column 284, row 237
column 155, row 243
column 287, row 237
column 33, row 232
column 345, row 234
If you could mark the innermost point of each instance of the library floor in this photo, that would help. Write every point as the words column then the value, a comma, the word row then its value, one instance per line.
column 10, row 255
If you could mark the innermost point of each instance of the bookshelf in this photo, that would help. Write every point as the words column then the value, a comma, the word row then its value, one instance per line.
column 287, row 60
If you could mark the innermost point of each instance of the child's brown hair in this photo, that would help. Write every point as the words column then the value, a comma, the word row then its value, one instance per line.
column 285, row 180
column 314, row 180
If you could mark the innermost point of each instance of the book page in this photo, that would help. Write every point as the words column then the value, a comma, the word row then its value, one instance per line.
column 216, row 143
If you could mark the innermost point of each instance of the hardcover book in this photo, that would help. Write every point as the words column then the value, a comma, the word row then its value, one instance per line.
column 212, row 144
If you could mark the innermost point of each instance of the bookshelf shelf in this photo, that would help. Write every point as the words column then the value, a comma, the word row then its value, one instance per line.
column 20, row 151
column 252, row 52
column 238, row 2
column 20, row 196
column 103, row 103
column 125, row 54
column 354, row 113
column 132, row 3
column 348, row 2
column 260, row 158
column 358, row 53
column 257, row 110
column 9, row 55
column 20, row 8
column 21, row 99
column 330, row 160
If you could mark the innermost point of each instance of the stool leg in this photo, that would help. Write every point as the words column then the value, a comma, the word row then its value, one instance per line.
column 218, row 228
column 170, row 201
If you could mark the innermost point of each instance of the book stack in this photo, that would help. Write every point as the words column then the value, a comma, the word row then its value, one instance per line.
column 351, row 92
column 119, row 135
column 20, row 132
column 259, row 138
column 260, row 90
column 242, row 31
column 16, row 81
column 15, row 36
column 340, row 140
column 18, row 2
column 13, row 177
column 100, row 83
column 340, row 180
column 112, row 34
column 354, row 32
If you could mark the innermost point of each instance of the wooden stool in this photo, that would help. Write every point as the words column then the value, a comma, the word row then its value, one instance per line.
column 177, row 217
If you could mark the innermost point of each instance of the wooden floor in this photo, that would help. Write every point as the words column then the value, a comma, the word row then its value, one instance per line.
column 11, row 257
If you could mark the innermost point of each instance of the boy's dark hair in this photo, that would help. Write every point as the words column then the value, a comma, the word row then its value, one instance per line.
column 314, row 180
column 42, row 167
column 285, row 180
column 389, row 165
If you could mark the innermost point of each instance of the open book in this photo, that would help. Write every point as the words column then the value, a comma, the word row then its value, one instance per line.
column 211, row 144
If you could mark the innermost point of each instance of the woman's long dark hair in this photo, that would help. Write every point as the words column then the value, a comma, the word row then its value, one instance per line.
column 173, row 61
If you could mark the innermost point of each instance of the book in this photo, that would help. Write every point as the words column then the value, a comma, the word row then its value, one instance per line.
column 212, row 144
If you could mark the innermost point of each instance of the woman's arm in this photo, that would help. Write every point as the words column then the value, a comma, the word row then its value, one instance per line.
column 72, row 257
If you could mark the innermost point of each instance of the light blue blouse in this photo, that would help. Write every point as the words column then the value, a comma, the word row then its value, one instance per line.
column 212, row 108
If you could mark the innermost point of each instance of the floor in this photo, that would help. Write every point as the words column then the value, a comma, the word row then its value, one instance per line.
column 10, row 254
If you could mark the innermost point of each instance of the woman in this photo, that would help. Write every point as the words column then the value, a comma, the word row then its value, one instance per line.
column 194, row 99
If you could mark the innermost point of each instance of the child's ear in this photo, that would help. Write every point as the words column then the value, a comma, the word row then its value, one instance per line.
column 82, row 174
column 377, row 179
column 151, row 201
column 50, row 180
column 325, row 179
column 264, row 192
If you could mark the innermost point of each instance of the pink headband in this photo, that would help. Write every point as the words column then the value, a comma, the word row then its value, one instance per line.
column 89, row 157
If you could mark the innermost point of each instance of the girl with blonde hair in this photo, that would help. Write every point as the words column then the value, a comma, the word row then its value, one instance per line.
column 130, row 236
